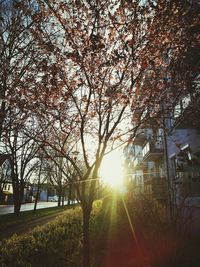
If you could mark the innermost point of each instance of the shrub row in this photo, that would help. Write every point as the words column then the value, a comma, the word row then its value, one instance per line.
column 57, row 243
column 58, row 240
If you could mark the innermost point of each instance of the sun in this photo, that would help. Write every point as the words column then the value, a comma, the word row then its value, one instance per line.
column 111, row 170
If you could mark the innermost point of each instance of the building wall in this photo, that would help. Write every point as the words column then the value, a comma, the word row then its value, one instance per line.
column 181, row 137
column 184, row 165
column 145, row 161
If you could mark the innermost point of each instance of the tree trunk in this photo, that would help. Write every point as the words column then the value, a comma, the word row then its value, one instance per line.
column 38, row 186
column 2, row 112
column 37, row 196
column 17, row 207
column 16, row 197
column 17, row 202
column 63, row 199
column 69, row 195
column 59, row 198
column 86, row 237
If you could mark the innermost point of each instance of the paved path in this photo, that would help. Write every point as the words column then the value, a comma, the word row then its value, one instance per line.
column 6, row 209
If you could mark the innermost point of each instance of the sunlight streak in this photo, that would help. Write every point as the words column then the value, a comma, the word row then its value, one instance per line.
column 131, row 225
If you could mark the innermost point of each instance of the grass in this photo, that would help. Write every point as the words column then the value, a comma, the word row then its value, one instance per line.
column 11, row 220
column 150, row 242
column 57, row 241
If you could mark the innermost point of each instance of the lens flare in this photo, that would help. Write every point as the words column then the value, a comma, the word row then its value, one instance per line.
column 111, row 171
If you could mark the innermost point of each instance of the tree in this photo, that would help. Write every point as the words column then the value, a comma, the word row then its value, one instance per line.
column 21, row 70
column 171, row 61
column 100, row 54
column 23, row 64
column 17, row 58
column 97, row 63
column 22, row 151
column 56, row 177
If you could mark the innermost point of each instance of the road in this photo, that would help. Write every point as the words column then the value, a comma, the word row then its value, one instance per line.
column 6, row 209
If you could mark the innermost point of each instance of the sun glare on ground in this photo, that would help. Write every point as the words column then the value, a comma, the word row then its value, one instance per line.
column 111, row 171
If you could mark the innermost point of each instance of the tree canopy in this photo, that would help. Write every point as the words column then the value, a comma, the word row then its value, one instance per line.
column 82, row 76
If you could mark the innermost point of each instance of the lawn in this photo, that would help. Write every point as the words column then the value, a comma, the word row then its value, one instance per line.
column 10, row 220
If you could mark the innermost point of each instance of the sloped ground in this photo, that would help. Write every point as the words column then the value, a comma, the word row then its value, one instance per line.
column 55, row 243
column 123, row 235
column 28, row 226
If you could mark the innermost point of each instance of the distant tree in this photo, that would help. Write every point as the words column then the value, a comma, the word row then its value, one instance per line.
column 23, row 162
column 17, row 58
column 21, row 73
column 23, row 64
column 40, row 175
column 54, row 171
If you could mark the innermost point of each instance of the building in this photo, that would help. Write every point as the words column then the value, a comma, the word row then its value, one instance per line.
column 6, row 190
column 184, row 152
column 146, row 163
column 6, row 187
column 164, row 162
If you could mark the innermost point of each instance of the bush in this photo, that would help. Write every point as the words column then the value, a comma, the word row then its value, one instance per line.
column 164, row 240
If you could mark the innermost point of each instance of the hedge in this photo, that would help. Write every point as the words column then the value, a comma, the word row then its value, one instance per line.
column 58, row 240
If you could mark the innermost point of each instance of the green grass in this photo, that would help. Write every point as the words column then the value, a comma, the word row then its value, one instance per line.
column 56, row 243
column 11, row 220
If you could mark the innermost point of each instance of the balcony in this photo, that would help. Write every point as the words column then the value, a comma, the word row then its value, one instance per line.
column 153, row 151
column 138, row 163
column 139, row 139
column 149, row 122
column 157, row 186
